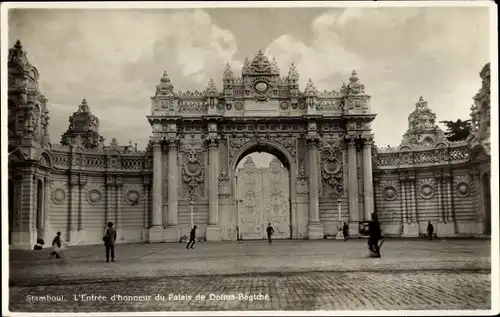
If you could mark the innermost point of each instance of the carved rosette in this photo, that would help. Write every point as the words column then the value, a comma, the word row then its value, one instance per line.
column 462, row 185
column 389, row 190
column 224, row 184
column 93, row 193
column 427, row 188
column 58, row 194
column 132, row 194
column 302, row 181
column 332, row 169
column 193, row 173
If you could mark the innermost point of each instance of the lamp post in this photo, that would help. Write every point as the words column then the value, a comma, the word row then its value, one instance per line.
column 191, row 209
column 339, row 236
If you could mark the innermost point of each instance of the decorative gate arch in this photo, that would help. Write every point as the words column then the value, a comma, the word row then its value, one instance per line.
column 199, row 138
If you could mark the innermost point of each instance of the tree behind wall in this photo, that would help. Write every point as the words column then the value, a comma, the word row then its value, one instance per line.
column 457, row 130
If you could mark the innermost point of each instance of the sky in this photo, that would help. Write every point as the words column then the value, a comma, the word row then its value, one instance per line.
column 115, row 58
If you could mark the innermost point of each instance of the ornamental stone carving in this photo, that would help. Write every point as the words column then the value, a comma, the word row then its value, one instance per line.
column 332, row 169
column 132, row 194
column 193, row 173
column 462, row 185
column 224, row 184
column 238, row 105
column 93, row 193
column 302, row 181
column 427, row 188
column 389, row 190
column 58, row 195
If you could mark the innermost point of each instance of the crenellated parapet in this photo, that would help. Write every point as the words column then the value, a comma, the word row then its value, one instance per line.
column 261, row 91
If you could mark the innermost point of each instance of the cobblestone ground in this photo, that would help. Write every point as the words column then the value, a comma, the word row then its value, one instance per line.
column 296, row 275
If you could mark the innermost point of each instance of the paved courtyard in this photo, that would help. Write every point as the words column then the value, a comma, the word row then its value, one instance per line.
column 287, row 275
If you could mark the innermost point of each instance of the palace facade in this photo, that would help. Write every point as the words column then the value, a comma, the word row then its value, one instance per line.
column 327, row 167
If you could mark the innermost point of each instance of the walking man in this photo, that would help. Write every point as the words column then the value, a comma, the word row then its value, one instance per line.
column 430, row 230
column 270, row 232
column 345, row 231
column 375, row 236
column 56, row 246
column 192, row 238
column 109, row 241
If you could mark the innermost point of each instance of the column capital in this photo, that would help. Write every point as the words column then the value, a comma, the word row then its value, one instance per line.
column 351, row 139
column 367, row 140
column 172, row 143
column 212, row 140
column 313, row 139
column 156, row 141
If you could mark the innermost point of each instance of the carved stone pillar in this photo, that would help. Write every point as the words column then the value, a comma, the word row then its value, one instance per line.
column 22, row 236
column 46, row 188
column 368, row 177
column 146, row 217
column 404, row 215
column 72, row 203
column 119, row 187
column 410, row 227
column 353, row 187
column 172, row 232
column 156, row 230
column 447, row 228
column 437, row 176
column 413, row 198
column 315, row 228
column 213, row 229
column 109, row 187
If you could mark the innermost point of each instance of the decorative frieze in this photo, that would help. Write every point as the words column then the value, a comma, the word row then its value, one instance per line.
column 224, row 184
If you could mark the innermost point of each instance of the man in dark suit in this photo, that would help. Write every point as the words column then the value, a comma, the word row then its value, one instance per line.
column 430, row 230
column 109, row 241
column 375, row 236
column 270, row 232
column 192, row 238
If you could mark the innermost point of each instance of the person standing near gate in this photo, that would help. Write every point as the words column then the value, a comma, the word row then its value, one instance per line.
column 345, row 231
column 375, row 236
column 192, row 238
column 270, row 232
column 430, row 230
column 109, row 241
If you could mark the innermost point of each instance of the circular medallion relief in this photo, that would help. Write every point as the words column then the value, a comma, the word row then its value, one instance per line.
column 58, row 196
column 261, row 86
column 284, row 105
column 238, row 106
column 132, row 197
column 94, row 196
column 390, row 193
column 426, row 191
column 302, row 106
column 192, row 168
column 332, row 166
column 463, row 190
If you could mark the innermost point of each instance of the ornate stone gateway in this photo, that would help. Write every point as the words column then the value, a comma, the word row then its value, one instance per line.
column 264, row 197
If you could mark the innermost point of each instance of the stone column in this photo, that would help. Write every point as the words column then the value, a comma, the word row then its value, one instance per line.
column 404, row 216
column 22, row 236
column 368, row 177
column 315, row 228
column 172, row 232
column 72, row 233
column 119, row 187
column 156, row 230
column 82, row 236
column 447, row 228
column 353, row 187
column 146, row 220
column 438, row 194
column 46, row 189
column 213, row 229
column 411, row 229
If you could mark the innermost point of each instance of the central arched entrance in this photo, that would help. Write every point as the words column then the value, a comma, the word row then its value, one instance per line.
column 262, row 185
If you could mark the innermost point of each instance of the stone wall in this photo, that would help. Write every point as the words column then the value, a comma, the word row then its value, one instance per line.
column 428, row 183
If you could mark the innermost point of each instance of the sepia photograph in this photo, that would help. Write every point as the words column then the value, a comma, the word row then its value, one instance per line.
column 292, row 158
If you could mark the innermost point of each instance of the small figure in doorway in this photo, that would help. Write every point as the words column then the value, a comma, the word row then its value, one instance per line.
column 56, row 246
column 430, row 230
column 270, row 232
column 192, row 238
column 109, row 241
column 345, row 231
